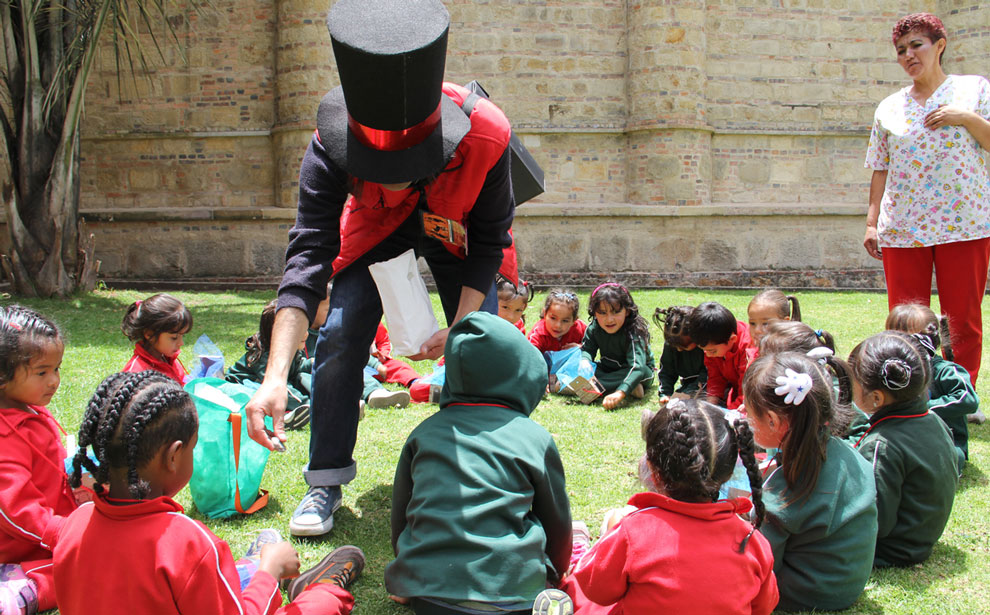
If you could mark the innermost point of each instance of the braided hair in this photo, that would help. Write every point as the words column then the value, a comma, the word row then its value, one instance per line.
column 24, row 334
column 673, row 321
column 130, row 417
column 693, row 449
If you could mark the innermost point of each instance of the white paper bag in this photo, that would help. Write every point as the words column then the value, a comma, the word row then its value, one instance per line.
column 406, row 303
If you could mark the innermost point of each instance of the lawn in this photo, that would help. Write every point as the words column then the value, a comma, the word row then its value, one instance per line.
column 599, row 448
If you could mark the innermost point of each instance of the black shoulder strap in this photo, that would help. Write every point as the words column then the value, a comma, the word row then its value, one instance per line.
column 469, row 103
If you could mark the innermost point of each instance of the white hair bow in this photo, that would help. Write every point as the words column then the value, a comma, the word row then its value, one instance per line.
column 793, row 386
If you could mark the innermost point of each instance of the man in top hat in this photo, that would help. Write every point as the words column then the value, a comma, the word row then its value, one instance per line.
column 395, row 164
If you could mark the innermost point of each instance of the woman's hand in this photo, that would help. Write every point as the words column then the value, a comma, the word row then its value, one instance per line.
column 870, row 242
column 947, row 115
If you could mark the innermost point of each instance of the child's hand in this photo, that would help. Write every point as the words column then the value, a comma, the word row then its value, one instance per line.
column 612, row 400
column 280, row 560
column 663, row 400
column 382, row 371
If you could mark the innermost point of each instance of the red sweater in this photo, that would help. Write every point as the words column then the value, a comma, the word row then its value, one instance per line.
column 541, row 338
column 383, row 344
column 725, row 374
column 170, row 564
column 35, row 496
column 142, row 360
column 676, row 557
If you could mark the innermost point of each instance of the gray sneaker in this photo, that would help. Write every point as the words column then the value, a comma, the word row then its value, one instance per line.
column 298, row 418
column 314, row 515
column 553, row 602
column 340, row 567
column 265, row 537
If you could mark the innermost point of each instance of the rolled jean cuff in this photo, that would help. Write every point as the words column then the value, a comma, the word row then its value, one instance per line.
column 330, row 477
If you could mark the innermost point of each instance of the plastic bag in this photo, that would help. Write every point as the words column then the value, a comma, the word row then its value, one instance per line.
column 567, row 365
column 738, row 485
column 227, row 464
column 406, row 303
column 209, row 359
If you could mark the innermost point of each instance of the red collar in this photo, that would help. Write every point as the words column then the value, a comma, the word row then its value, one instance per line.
column 123, row 510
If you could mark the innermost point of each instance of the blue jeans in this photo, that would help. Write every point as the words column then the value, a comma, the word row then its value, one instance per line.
column 343, row 347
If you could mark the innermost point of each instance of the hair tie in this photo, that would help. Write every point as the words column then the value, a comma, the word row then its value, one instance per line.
column 926, row 342
column 818, row 332
column 601, row 286
column 820, row 354
column 13, row 325
column 891, row 380
column 138, row 303
column 794, row 386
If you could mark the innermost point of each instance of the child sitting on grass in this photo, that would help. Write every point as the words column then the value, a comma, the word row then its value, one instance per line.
column 480, row 515
column 728, row 351
column 512, row 302
column 559, row 327
column 951, row 395
column 157, row 325
column 620, row 338
column 35, row 497
column 909, row 447
column 672, row 545
column 767, row 306
column 681, row 358
column 821, row 501
column 142, row 428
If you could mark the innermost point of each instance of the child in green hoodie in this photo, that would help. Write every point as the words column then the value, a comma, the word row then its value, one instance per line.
column 480, row 515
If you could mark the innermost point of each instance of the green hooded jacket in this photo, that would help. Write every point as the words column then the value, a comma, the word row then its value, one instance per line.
column 479, row 506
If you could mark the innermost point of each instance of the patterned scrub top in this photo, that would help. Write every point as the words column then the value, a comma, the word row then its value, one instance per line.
column 938, row 188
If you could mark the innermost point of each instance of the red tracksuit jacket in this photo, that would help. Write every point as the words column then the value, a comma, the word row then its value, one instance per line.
column 142, row 360
column 725, row 374
column 541, row 338
column 676, row 557
column 147, row 558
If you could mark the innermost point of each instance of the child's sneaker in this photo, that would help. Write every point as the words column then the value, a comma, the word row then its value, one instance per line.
column 341, row 567
column 977, row 417
column 298, row 418
column 265, row 537
column 18, row 594
column 553, row 602
column 383, row 398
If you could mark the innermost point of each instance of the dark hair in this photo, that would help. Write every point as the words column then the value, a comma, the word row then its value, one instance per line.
column 565, row 297
column 128, row 420
column 507, row 291
column 926, row 23
column 784, row 335
column 787, row 306
column 673, row 320
column 803, row 447
column 618, row 297
column 260, row 342
column 157, row 314
column 711, row 323
column 893, row 362
column 24, row 334
column 918, row 318
column 693, row 449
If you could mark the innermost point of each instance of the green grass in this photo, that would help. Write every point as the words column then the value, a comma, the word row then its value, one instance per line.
column 599, row 448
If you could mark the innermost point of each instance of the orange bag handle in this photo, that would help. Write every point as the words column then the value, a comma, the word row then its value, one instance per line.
column 262, row 501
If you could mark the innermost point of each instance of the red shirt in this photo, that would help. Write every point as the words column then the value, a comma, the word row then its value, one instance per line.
column 35, row 496
column 725, row 374
column 383, row 344
column 142, row 360
column 676, row 557
column 147, row 558
column 542, row 339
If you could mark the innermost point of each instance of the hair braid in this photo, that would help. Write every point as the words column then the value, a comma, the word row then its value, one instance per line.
column 683, row 466
column 747, row 448
column 134, row 429
column 89, row 429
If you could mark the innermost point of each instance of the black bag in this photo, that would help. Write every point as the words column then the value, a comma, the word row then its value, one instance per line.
column 527, row 176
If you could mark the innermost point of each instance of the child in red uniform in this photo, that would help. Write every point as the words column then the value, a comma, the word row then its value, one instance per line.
column 156, row 326
column 726, row 344
column 142, row 427
column 769, row 305
column 671, row 547
column 559, row 327
column 512, row 302
column 35, row 496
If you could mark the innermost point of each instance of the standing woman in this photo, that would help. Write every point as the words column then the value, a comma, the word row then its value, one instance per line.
column 930, row 192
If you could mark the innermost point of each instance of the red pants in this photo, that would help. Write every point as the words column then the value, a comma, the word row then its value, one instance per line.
column 961, row 278
column 399, row 372
column 323, row 598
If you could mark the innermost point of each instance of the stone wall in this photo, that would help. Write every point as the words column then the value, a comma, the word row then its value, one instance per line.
column 687, row 142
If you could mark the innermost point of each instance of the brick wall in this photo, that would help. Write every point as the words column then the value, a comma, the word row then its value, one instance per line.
column 677, row 137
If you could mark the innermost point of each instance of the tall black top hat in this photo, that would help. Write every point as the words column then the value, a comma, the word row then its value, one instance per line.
column 389, row 122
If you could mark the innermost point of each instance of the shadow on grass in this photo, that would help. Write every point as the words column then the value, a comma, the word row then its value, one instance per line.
column 945, row 561
column 972, row 476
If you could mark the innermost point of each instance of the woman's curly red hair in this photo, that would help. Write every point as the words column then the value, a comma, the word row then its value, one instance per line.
column 926, row 23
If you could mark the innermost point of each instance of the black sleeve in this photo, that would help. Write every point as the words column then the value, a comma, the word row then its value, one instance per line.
column 488, row 226
column 314, row 240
